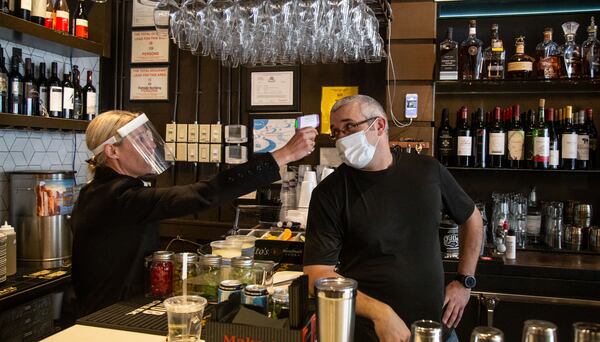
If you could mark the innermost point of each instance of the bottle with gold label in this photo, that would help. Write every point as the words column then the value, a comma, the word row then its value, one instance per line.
column 494, row 57
column 520, row 65
column 548, row 57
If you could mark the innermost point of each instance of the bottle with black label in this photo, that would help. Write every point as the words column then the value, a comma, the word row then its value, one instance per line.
column 529, row 130
column 593, row 138
column 516, row 141
column 89, row 99
column 3, row 84
column 481, row 138
column 44, row 88
column 449, row 57
column 583, row 143
column 541, row 139
column 568, row 150
column 15, row 81
column 445, row 140
column 56, row 94
column 77, row 95
column 67, row 96
column 464, row 140
column 554, row 160
column 471, row 55
column 497, row 140
column 30, row 90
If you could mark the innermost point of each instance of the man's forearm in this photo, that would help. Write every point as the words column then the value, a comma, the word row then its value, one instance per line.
column 470, row 239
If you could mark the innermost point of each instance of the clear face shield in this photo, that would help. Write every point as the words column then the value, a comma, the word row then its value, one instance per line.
column 147, row 147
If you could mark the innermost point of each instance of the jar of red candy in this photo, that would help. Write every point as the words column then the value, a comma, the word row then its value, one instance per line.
column 161, row 274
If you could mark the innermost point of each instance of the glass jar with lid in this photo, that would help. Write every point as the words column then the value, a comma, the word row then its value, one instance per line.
column 185, row 264
column 242, row 270
column 161, row 274
column 207, row 282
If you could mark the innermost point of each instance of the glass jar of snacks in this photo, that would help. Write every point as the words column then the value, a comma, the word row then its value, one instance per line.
column 186, row 269
column 161, row 274
column 209, row 276
column 242, row 270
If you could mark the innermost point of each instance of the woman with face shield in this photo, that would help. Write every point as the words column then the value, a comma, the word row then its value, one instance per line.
column 115, row 219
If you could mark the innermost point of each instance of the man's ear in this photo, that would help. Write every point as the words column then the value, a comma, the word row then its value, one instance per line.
column 111, row 152
column 381, row 124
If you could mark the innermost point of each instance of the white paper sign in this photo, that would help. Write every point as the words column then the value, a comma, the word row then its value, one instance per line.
column 142, row 15
column 273, row 88
column 149, row 47
column 149, row 84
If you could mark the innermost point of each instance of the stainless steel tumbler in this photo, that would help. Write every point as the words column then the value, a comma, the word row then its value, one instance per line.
column 487, row 334
column 539, row 331
column 336, row 300
column 586, row 332
column 426, row 331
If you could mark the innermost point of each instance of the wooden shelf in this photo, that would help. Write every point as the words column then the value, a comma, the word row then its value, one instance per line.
column 479, row 169
column 39, row 122
column 485, row 87
column 36, row 36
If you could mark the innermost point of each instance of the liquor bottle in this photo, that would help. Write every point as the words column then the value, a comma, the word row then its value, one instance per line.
column 529, row 131
column 56, row 93
column 548, row 57
column 50, row 13
column 497, row 140
column 471, row 57
column 570, row 52
column 583, row 143
column 516, row 141
column 61, row 16
column 590, row 51
column 449, row 57
column 38, row 11
column 494, row 57
column 464, row 140
column 520, row 65
column 30, row 92
column 554, row 160
column 593, row 132
column 89, row 99
column 77, row 95
column 445, row 138
column 534, row 218
column 480, row 147
column 568, row 149
column 80, row 21
column 67, row 96
column 44, row 91
column 541, row 140
column 3, row 84
column 15, row 81
column 22, row 9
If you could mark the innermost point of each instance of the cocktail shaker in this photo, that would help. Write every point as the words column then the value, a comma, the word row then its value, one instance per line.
column 539, row 331
column 487, row 334
column 426, row 331
column 586, row 332
column 336, row 300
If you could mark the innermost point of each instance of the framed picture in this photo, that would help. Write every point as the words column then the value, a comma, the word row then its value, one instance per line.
column 271, row 131
column 149, row 84
column 273, row 89
column 142, row 15
column 147, row 46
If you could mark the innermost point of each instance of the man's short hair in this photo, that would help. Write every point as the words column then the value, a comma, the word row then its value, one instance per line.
column 369, row 107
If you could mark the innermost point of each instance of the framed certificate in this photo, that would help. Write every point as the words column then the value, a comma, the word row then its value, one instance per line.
column 149, row 84
column 148, row 46
column 142, row 15
column 273, row 89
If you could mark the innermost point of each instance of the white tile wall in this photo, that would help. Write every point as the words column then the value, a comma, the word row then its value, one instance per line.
column 35, row 150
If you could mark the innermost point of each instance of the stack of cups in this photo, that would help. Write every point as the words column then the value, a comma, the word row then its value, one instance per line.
column 539, row 331
column 308, row 185
column 2, row 257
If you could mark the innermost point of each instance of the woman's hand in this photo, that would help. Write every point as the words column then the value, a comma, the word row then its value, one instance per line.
column 301, row 145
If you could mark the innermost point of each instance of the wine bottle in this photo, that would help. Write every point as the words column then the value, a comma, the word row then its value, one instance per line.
column 534, row 218
column 22, row 9
column 554, row 161
column 583, row 143
column 569, row 137
column 67, row 96
column 480, row 147
column 38, row 11
column 593, row 138
column 61, row 16
column 49, row 16
column 80, row 21
column 464, row 140
column 77, row 95
column 445, row 138
column 3, row 84
column 44, row 88
column 516, row 141
column 56, row 93
column 15, row 81
column 497, row 140
column 30, row 88
column 89, row 98
column 541, row 140
column 530, row 128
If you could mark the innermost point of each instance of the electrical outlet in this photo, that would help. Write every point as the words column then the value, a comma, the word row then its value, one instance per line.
column 215, row 133
column 170, row 151
column 204, row 133
column 181, row 154
column 182, row 132
column 215, row 153
column 170, row 132
column 192, row 133
column 204, row 153
column 192, row 152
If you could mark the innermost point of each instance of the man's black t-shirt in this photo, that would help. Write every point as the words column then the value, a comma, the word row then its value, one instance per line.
column 381, row 229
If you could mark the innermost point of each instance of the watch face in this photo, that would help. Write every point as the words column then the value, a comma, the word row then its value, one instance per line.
column 470, row 282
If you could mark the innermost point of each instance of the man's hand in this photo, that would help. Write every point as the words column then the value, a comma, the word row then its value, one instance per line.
column 301, row 145
column 457, row 297
column 390, row 327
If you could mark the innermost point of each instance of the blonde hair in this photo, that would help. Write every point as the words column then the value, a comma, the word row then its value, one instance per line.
column 101, row 129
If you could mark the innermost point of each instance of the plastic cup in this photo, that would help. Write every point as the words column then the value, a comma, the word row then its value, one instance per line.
column 184, row 315
column 247, row 243
column 226, row 248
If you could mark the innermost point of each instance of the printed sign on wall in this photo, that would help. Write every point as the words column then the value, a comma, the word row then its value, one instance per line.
column 149, row 84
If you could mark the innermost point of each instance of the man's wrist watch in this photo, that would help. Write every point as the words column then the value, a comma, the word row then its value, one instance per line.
column 467, row 281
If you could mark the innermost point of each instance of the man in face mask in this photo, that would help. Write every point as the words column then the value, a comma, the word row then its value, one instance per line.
column 376, row 220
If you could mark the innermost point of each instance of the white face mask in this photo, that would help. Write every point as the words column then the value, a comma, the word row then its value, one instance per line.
column 355, row 150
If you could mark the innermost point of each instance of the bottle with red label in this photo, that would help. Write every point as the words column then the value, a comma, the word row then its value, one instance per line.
column 61, row 17
column 80, row 21
column 50, row 12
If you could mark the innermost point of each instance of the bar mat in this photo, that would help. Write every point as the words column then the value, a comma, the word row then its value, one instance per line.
column 141, row 315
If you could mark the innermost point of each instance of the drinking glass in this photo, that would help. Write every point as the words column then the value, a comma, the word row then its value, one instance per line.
column 184, row 315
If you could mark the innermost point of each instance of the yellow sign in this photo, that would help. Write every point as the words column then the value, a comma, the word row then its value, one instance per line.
column 328, row 98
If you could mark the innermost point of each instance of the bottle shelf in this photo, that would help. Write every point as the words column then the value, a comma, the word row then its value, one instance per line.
column 487, row 169
column 487, row 87
column 30, row 34
column 39, row 122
